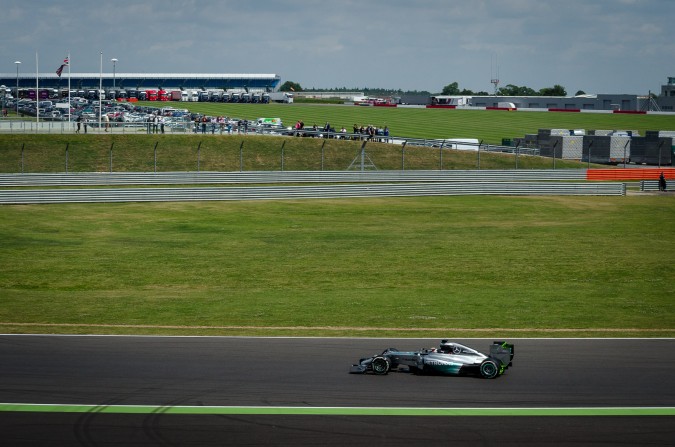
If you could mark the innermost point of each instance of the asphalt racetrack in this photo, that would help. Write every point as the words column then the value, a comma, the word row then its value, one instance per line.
column 193, row 391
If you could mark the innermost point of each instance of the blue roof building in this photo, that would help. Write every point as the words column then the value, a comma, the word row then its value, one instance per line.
column 139, row 81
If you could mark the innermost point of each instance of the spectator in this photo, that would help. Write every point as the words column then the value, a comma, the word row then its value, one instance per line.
column 662, row 182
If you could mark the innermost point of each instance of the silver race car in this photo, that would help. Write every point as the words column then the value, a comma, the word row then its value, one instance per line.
column 450, row 358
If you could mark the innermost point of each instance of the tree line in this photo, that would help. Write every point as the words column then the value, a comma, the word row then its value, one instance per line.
column 509, row 90
column 290, row 86
column 450, row 89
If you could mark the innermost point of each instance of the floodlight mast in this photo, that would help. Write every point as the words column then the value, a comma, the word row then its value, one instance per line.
column 17, row 87
column 495, row 81
column 495, row 74
column 114, row 61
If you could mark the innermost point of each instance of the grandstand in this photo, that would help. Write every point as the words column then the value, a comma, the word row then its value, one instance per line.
column 139, row 81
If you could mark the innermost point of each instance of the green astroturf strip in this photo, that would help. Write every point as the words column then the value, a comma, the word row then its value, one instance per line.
column 339, row 411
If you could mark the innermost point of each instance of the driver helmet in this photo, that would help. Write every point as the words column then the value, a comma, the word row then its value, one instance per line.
column 446, row 346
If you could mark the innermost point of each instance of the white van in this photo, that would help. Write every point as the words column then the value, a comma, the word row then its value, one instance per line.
column 462, row 144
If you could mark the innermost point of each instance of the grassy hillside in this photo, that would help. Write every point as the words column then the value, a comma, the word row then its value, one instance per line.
column 91, row 153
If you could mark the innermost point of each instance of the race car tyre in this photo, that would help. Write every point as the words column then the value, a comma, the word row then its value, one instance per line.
column 489, row 369
column 380, row 365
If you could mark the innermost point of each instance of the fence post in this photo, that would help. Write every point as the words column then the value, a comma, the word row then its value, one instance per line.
column 199, row 155
column 156, row 143
column 403, row 156
column 322, row 154
column 22, row 146
column 241, row 157
column 590, row 145
column 624, row 153
column 479, row 145
column 363, row 154
column 111, row 156
column 440, row 156
column 67, row 144
column 517, row 154
column 554, row 146
column 282, row 155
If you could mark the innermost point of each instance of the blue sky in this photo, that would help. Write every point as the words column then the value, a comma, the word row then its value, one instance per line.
column 598, row 46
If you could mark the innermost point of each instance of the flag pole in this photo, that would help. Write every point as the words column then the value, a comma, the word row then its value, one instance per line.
column 100, row 87
column 69, row 106
column 37, row 92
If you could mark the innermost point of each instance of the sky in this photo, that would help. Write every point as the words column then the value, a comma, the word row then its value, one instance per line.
column 595, row 46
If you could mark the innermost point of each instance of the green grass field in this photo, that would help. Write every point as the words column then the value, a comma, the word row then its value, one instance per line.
column 487, row 125
column 443, row 266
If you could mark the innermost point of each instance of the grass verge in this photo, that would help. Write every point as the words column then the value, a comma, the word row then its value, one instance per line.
column 553, row 266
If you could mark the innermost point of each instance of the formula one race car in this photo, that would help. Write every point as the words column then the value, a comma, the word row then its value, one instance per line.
column 450, row 358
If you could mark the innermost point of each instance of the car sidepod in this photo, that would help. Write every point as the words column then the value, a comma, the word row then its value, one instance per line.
column 439, row 363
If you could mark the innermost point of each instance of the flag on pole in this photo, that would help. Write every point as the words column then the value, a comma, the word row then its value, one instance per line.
column 60, row 69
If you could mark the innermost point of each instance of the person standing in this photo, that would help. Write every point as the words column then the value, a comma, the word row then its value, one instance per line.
column 79, row 123
column 662, row 182
column 106, row 120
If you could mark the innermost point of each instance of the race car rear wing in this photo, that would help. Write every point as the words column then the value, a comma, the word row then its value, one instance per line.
column 503, row 352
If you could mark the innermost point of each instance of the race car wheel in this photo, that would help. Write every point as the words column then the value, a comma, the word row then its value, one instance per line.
column 489, row 369
column 380, row 365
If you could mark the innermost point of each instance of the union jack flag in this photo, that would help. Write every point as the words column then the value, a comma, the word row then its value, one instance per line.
column 60, row 69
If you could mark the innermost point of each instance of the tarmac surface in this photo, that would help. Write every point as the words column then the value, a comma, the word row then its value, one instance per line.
column 257, row 381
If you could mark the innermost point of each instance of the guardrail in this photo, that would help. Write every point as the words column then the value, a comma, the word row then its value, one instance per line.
column 51, row 196
column 651, row 185
column 267, row 177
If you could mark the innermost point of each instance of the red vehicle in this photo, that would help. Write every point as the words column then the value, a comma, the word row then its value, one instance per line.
column 163, row 95
column 151, row 95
